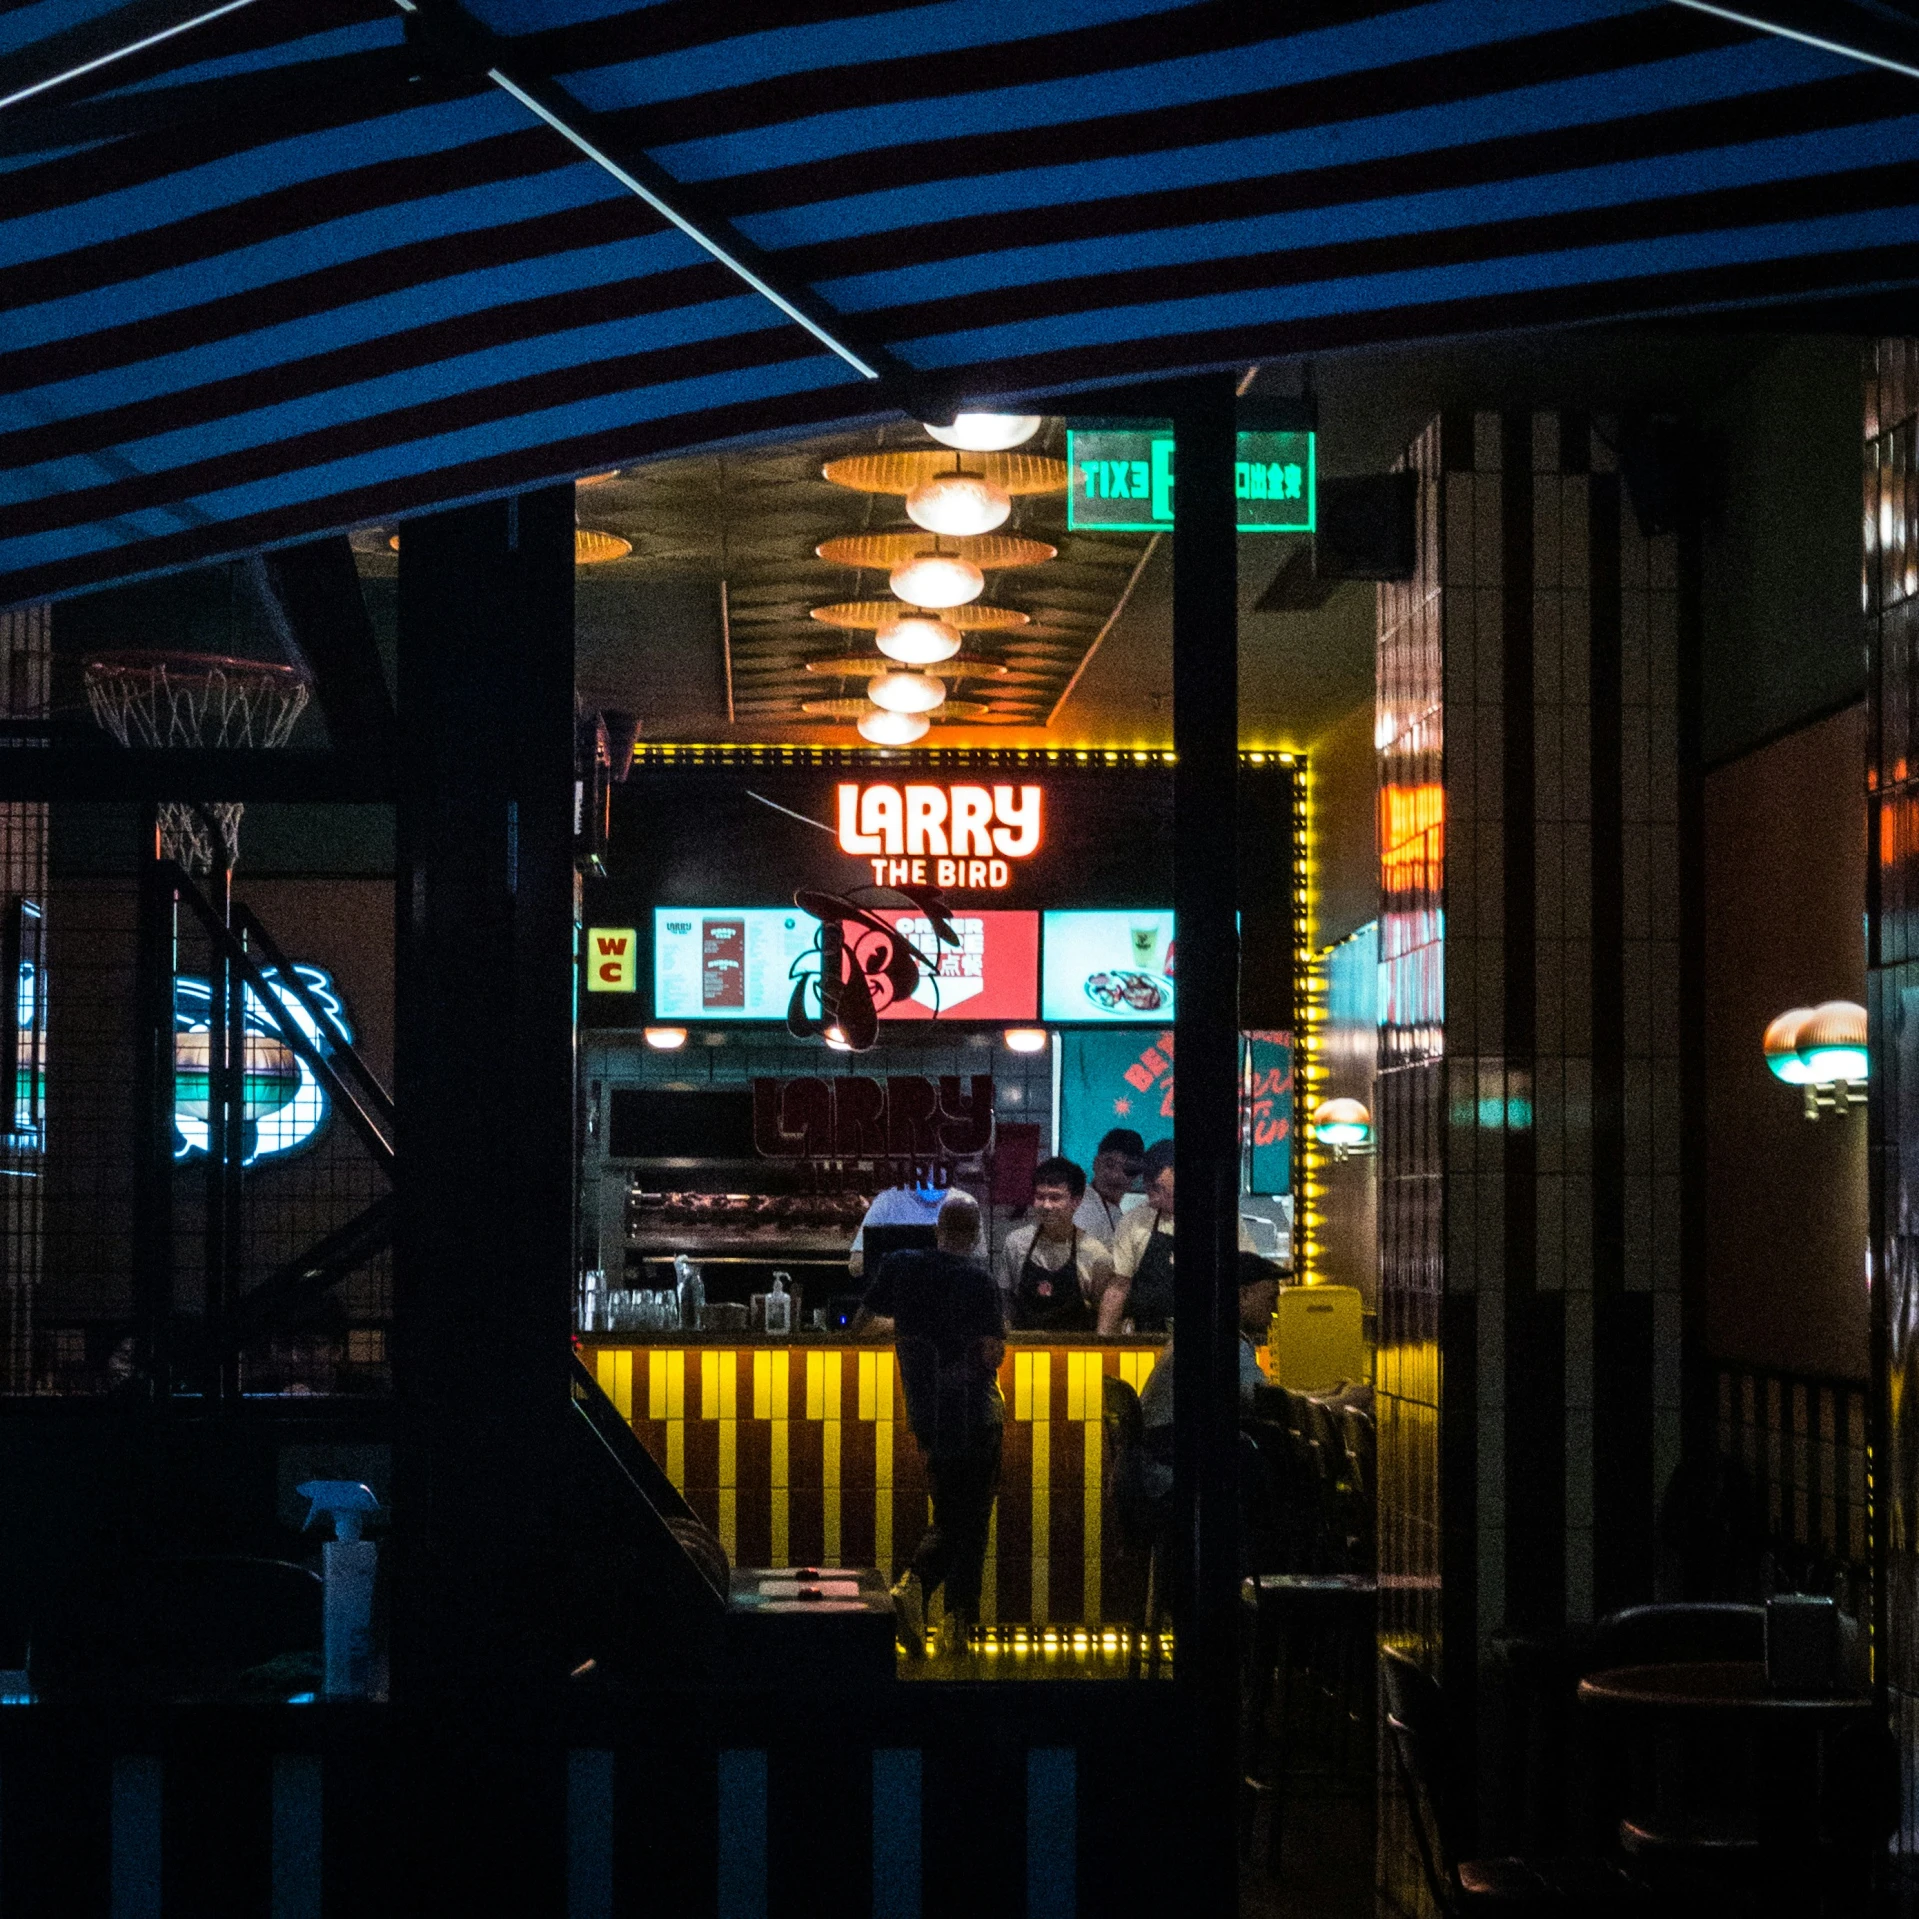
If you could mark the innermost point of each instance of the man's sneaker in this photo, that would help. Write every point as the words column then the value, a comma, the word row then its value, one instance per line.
column 909, row 1614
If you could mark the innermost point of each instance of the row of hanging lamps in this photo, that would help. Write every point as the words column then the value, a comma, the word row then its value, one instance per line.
column 961, row 502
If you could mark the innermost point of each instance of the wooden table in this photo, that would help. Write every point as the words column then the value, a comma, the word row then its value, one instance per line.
column 1784, row 1735
column 1722, row 1688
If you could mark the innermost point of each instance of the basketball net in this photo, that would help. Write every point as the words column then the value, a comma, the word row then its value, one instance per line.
column 189, row 700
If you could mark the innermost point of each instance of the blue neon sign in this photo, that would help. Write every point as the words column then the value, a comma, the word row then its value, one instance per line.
column 292, row 1106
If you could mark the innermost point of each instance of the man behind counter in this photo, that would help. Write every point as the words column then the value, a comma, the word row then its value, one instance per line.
column 1109, row 1191
column 1054, row 1275
column 943, row 1311
column 1143, row 1250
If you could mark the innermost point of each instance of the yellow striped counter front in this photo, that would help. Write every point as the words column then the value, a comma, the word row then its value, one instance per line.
column 798, row 1453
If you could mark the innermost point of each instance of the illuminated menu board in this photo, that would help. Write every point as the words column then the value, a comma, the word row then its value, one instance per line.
column 1108, row 966
column 736, row 962
column 726, row 962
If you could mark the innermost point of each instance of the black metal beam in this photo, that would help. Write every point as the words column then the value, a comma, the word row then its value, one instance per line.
column 483, row 1244
column 318, row 588
column 1206, row 1169
column 58, row 770
column 294, row 1287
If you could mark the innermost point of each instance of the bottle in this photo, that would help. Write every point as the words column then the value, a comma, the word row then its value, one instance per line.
column 779, row 1309
column 691, row 1289
column 350, row 1564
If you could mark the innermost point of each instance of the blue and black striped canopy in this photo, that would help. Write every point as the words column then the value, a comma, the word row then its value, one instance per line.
column 292, row 270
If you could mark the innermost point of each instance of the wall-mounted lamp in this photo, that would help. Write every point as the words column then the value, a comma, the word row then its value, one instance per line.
column 666, row 1039
column 1026, row 1039
column 1346, row 1126
column 1823, row 1049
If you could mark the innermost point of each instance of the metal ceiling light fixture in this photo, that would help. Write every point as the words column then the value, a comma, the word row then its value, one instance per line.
column 917, row 639
column 1824, row 1050
column 959, row 503
column 906, row 692
column 986, row 432
column 937, row 580
column 893, row 729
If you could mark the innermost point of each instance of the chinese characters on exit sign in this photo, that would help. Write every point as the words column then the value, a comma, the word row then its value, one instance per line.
column 1121, row 480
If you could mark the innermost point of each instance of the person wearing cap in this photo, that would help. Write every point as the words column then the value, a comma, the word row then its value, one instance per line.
column 1109, row 1192
column 942, row 1310
column 1053, row 1275
column 1258, row 1294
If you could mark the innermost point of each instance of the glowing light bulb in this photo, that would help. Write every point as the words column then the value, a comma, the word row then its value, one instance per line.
column 938, row 580
column 1781, row 1045
column 906, row 692
column 1026, row 1039
column 915, row 639
column 987, row 432
column 959, row 504
column 666, row 1039
column 893, row 729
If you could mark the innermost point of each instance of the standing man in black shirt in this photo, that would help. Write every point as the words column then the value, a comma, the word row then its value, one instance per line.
column 943, row 1311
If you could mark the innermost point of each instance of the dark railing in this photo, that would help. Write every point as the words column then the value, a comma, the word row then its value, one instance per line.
column 1801, row 1440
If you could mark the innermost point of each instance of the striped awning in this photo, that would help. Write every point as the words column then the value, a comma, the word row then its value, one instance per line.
column 291, row 270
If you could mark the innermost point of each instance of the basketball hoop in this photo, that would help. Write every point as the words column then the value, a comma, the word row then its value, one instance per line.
column 195, row 699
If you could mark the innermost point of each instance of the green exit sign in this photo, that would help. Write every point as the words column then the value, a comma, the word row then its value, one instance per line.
column 1121, row 480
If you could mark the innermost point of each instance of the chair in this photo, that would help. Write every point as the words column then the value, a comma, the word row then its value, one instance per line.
column 1511, row 1888
column 1682, row 1838
column 163, row 1627
column 1679, row 1633
column 1304, row 1611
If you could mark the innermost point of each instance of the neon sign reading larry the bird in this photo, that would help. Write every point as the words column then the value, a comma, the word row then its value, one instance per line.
column 944, row 836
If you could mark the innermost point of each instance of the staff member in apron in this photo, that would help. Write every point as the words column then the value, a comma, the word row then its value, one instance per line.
column 1052, row 1275
column 1143, row 1253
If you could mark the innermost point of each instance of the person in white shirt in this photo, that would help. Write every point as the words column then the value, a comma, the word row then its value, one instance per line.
column 1052, row 1275
column 1143, row 1252
column 897, row 1206
column 1109, row 1192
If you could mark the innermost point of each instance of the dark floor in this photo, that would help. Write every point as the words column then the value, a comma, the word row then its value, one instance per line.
column 1317, row 1768
column 1327, row 1868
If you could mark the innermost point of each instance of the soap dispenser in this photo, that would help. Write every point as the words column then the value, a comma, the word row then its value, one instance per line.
column 350, row 1564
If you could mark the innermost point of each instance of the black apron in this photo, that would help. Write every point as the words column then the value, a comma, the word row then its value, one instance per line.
column 1047, row 1302
column 1149, row 1303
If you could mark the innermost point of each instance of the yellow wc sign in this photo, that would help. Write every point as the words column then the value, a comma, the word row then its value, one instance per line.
column 612, row 959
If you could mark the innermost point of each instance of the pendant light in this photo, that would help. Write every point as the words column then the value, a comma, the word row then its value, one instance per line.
column 961, row 504
column 986, row 432
column 893, row 729
column 906, row 692
column 917, row 639
column 938, row 580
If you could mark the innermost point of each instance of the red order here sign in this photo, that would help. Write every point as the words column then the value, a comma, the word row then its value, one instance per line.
column 992, row 974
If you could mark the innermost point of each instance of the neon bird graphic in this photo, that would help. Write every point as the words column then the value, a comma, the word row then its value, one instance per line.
column 287, row 1106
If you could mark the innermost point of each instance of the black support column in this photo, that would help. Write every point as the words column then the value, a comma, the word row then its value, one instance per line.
column 483, row 1251
column 1206, row 1170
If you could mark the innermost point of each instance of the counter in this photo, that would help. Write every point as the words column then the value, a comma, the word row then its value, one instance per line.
column 797, row 1452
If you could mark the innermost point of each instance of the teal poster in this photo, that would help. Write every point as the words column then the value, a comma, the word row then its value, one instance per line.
column 1110, row 1079
column 1266, row 1121
column 1114, row 1078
